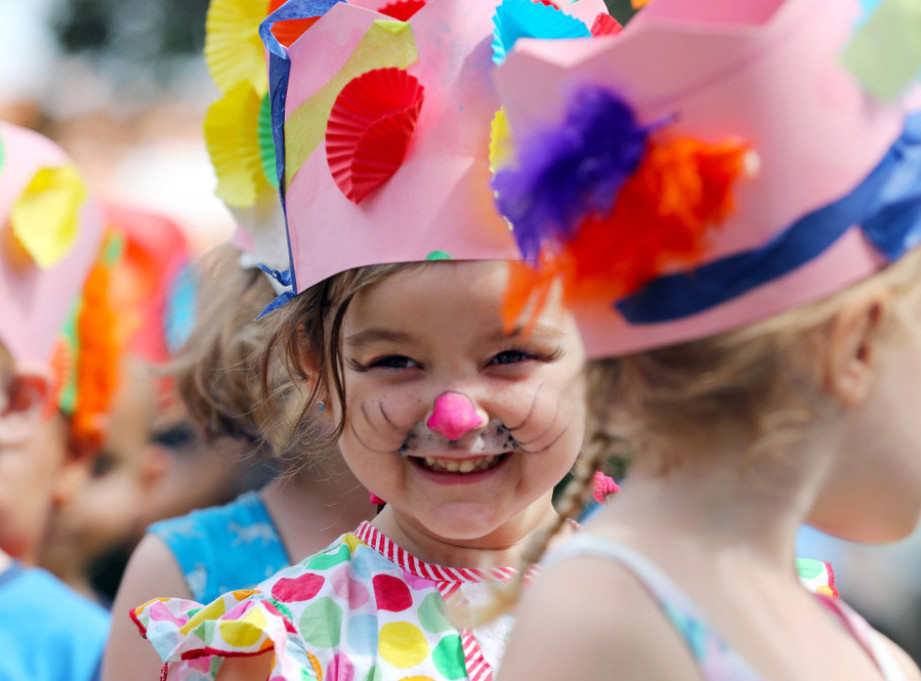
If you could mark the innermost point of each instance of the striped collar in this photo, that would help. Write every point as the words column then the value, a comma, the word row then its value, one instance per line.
column 395, row 553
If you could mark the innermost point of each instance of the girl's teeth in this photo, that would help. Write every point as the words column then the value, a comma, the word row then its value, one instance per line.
column 455, row 466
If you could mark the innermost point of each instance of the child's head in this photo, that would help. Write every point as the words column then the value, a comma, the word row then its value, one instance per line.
column 426, row 393
column 750, row 175
column 51, row 233
column 385, row 128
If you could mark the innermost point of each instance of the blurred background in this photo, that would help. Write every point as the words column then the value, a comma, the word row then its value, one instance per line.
column 122, row 86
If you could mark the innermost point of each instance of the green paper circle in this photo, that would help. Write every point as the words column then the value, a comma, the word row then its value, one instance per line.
column 439, row 255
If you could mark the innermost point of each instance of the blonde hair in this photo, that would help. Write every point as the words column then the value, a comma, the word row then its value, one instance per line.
column 759, row 378
column 216, row 371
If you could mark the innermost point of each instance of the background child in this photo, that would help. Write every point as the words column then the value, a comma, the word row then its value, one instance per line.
column 209, row 552
column 52, row 233
column 750, row 407
column 461, row 425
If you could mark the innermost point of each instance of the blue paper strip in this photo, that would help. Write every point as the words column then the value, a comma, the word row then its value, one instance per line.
column 887, row 206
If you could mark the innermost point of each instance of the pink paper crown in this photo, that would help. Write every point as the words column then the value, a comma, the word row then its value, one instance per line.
column 384, row 116
column 50, row 234
column 718, row 163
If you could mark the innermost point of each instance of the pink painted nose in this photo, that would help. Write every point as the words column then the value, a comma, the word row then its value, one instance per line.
column 453, row 416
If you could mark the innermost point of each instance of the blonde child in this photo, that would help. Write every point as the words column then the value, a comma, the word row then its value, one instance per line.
column 203, row 554
column 52, row 233
column 764, row 374
column 461, row 425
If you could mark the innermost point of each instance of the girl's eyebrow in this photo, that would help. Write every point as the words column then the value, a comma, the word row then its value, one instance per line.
column 540, row 332
column 377, row 335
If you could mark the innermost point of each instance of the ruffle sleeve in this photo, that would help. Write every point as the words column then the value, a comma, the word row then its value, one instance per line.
column 192, row 640
column 817, row 576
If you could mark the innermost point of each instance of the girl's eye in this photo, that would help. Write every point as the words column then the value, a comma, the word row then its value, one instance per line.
column 511, row 357
column 393, row 362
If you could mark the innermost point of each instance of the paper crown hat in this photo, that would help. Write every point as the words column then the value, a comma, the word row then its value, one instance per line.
column 717, row 163
column 122, row 311
column 50, row 234
column 383, row 114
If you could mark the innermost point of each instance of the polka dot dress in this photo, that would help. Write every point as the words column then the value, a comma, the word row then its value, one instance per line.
column 362, row 610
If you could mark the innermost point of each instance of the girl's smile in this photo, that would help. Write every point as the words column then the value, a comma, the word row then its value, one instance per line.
column 461, row 427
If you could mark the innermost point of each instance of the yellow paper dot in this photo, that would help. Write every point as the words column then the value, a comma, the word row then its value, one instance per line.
column 45, row 216
column 402, row 644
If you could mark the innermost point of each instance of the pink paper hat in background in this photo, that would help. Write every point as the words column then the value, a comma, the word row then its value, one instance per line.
column 717, row 163
column 50, row 233
column 383, row 115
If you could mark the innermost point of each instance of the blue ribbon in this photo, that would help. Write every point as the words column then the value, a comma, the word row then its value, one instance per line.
column 279, row 75
column 886, row 206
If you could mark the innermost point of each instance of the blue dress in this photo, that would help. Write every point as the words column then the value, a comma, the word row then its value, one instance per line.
column 48, row 632
column 224, row 548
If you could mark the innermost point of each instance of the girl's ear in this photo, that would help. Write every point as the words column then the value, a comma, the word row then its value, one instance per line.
column 853, row 345
column 22, row 404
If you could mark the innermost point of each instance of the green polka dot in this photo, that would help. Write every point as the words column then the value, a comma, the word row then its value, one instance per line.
column 432, row 614
column 282, row 608
column 326, row 561
column 439, row 255
column 205, row 630
column 375, row 674
column 2, row 153
column 449, row 657
column 321, row 623
column 808, row 568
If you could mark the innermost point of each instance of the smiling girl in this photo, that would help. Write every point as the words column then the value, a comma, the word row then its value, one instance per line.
column 393, row 333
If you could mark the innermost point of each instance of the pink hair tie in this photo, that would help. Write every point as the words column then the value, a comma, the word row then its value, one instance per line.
column 603, row 486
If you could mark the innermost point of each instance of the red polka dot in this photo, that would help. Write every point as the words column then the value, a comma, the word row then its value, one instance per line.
column 391, row 593
column 300, row 589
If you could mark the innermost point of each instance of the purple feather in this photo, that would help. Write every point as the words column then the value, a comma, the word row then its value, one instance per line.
column 568, row 172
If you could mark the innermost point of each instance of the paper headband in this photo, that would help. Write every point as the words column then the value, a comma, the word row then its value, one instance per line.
column 714, row 165
column 384, row 114
column 50, row 233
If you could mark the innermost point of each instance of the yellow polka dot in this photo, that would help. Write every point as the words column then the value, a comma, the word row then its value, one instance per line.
column 246, row 631
column 243, row 594
column 353, row 542
column 402, row 644
column 209, row 612
column 417, row 678
column 824, row 590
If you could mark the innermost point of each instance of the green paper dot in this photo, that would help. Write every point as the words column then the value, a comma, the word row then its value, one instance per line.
column 326, row 561
column 321, row 623
column 439, row 255
column 431, row 614
column 449, row 658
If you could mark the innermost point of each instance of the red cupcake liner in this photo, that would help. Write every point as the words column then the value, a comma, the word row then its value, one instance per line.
column 370, row 129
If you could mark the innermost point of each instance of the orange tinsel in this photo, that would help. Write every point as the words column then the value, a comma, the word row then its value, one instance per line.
column 661, row 218
column 97, row 365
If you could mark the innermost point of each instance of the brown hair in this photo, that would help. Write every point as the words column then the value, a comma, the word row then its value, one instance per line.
column 302, row 362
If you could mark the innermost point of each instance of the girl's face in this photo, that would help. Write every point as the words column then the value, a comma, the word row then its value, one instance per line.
column 462, row 428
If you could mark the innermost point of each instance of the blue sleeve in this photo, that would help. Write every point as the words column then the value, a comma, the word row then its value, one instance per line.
column 224, row 548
